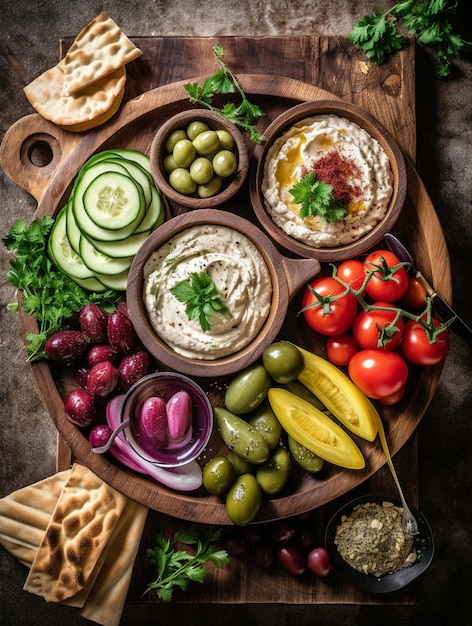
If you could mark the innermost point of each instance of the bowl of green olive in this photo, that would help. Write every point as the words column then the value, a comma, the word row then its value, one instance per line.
column 199, row 159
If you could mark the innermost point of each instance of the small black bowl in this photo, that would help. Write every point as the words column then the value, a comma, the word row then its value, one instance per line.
column 423, row 546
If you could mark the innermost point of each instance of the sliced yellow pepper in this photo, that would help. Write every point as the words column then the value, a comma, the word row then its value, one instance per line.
column 340, row 395
column 314, row 430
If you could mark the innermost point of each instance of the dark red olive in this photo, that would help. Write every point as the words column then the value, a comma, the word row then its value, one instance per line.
column 235, row 545
column 285, row 530
column 263, row 556
column 133, row 367
column 66, row 346
column 93, row 322
column 121, row 333
column 291, row 558
column 319, row 562
column 102, row 379
column 79, row 408
column 100, row 353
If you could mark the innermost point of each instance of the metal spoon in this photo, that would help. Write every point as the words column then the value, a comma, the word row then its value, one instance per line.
column 107, row 445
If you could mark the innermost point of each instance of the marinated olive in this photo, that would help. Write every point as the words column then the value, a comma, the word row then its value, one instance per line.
column 195, row 128
column 240, row 465
column 218, row 475
column 243, row 500
column 226, row 139
column 169, row 163
column 173, row 138
column 211, row 188
column 263, row 419
column 206, row 142
column 273, row 475
column 240, row 437
column 201, row 170
column 184, row 153
column 283, row 361
column 248, row 390
column 225, row 163
column 182, row 182
column 308, row 460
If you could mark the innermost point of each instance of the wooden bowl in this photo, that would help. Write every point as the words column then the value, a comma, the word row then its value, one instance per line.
column 216, row 122
column 287, row 277
column 355, row 114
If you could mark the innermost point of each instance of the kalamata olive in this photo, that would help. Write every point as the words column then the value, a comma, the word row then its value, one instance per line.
column 235, row 544
column 247, row 390
column 93, row 322
column 306, row 537
column 263, row 419
column 99, row 435
column 291, row 558
column 100, row 353
column 218, row 475
column 79, row 408
column 285, row 530
column 81, row 376
column 254, row 533
column 283, row 361
column 120, row 332
column 66, row 346
column 123, row 308
column 182, row 182
column 243, row 500
column 133, row 367
column 224, row 163
column 273, row 475
column 102, row 379
column 153, row 422
column 319, row 562
column 263, row 556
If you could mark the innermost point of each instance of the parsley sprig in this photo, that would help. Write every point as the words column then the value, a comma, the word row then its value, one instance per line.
column 245, row 116
column 176, row 568
column 48, row 294
column 201, row 297
column 316, row 198
column 429, row 21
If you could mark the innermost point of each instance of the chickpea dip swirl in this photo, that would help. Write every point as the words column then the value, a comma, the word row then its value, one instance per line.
column 240, row 274
column 298, row 150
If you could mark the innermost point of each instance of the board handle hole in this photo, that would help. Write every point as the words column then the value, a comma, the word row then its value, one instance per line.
column 40, row 154
column 40, row 150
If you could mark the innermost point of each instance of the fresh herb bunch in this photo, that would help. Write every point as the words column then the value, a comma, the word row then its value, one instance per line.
column 201, row 297
column 428, row 20
column 316, row 198
column 177, row 568
column 48, row 294
column 245, row 116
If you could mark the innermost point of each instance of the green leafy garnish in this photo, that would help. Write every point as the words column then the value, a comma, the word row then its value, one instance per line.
column 316, row 198
column 245, row 116
column 429, row 21
column 177, row 568
column 49, row 296
column 201, row 297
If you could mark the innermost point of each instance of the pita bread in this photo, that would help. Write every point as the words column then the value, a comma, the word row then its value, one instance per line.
column 93, row 106
column 82, row 522
column 98, row 50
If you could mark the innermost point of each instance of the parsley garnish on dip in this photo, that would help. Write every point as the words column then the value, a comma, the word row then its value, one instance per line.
column 207, row 291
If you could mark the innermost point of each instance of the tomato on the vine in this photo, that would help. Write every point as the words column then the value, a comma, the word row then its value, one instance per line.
column 372, row 328
column 352, row 273
column 385, row 283
column 417, row 348
column 341, row 348
column 415, row 294
column 378, row 373
column 326, row 315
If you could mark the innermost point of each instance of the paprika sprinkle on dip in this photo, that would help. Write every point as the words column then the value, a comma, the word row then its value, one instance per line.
column 341, row 173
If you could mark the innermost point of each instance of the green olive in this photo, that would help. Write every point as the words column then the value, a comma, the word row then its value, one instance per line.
column 241, row 437
column 226, row 139
column 169, row 163
column 283, row 361
column 195, row 128
column 201, row 170
column 240, row 465
column 211, row 188
column 307, row 460
column 184, row 153
column 243, row 500
column 225, row 163
column 273, row 475
column 173, row 138
column 218, row 475
column 263, row 419
column 206, row 142
column 247, row 390
column 182, row 182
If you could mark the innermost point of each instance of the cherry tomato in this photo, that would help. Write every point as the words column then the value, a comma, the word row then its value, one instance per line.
column 417, row 348
column 330, row 318
column 378, row 373
column 372, row 327
column 341, row 348
column 352, row 273
column 384, row 284
column 415, row 294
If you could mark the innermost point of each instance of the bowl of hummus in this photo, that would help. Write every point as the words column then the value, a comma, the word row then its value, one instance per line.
column 208, row 291
column 329, row 181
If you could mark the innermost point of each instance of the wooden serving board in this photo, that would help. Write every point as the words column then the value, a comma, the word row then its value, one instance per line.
column 277, row 73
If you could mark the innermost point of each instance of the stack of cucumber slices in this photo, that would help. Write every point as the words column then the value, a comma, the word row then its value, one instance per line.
column 113, row 207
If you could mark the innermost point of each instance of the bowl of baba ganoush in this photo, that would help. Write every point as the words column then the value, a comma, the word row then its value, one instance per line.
column 208, row 291
column 329, row 180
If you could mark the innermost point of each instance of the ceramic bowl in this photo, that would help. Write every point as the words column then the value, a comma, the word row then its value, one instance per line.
column 164, row 385
column 214, row 121
column 287, row 276
column 363, row 119
column 423, row 546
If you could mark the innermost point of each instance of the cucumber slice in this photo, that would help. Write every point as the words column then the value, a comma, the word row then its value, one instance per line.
column 100, row 263
column 117, row 282
column 90, row 284
column 137, row 173
column 155, row 214
column 73, row 231
column 121, row 249
column 113, row 200
column 61, row 252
